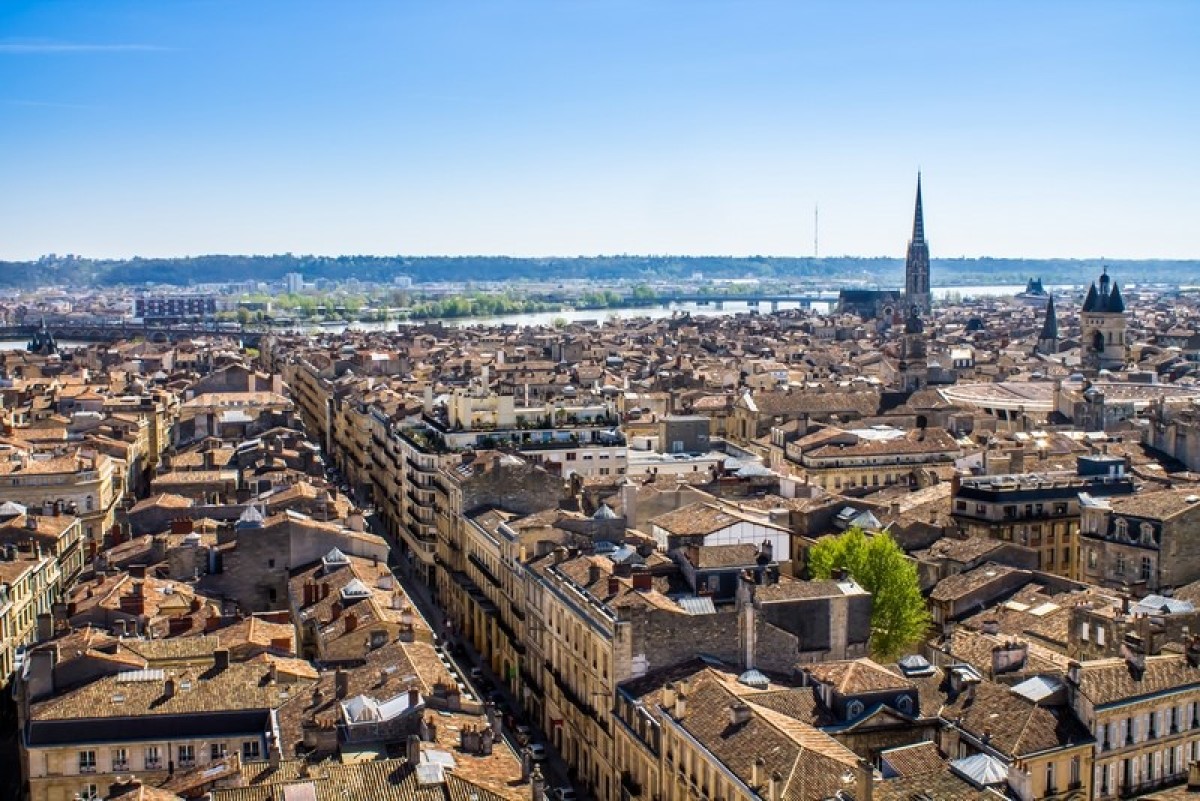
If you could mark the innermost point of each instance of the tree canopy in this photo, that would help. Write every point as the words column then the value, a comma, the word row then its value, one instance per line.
column 899, row 616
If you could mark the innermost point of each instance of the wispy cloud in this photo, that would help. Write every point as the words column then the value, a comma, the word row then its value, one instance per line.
column 36, row 47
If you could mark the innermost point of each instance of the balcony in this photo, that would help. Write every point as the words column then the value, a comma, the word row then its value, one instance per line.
column 415, row 465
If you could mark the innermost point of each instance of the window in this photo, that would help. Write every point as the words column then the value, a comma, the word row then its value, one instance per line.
column 216, row 751
column 1120, row 569
column 120, row 759
column 905, row 704
column 270, row 563
column 1010, row 512
column 1147, row 534
column 250, row 749
column 1100, row 635
column 87, row 761
column 1121, row 527
column 1075, row 779
column 153, row 758
column 1091, row 558
column 1147, row 567
column 854, row 709
column 187, row 756
column 1083, row 631
column 714, row 583
column 89, row 791
column 961, row 506
column 980, row 508
column 1050, row 789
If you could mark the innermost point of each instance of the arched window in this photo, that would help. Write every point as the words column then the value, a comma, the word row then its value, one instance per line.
column 89, row 503
column 905, row 704
column 854, row 709
column 1122, row 527
column 1147, row 534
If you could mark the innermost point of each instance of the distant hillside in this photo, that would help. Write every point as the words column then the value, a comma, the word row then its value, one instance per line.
column 80, row 272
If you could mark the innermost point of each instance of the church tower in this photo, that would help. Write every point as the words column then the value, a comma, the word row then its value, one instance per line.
column 1047, row 344
column 1102, row 326
column 916, row 264
column 914, row 363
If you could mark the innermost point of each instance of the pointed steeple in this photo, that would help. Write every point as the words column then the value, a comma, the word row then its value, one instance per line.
column 1115, row 302
column 918, row 216
column 1091, row 302
column 1050, row 326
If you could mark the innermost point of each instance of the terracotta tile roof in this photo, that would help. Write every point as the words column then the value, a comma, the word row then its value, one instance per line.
column 696, row 519
column 857, row 677
column 960, row 585
column 1012, row 724
column 197, row 690
column 382, row 780
column 914, row 760
column 1107, row 681
column 811, row 763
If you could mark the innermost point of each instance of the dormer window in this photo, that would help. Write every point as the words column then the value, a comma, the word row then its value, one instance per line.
column 1122, row 527
column 905, row 704
column 854, row 709
column 1147, row 534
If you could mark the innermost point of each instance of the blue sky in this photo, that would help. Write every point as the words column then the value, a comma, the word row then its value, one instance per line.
column 562, row 127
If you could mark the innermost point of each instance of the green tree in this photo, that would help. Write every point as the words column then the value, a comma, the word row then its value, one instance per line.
column 899, row 617
column 243, row 315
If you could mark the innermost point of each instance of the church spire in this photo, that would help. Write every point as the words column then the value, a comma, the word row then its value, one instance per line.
column 918, row 216
column 1050, row 326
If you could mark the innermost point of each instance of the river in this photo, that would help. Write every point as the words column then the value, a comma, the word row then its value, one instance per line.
column 548, row 318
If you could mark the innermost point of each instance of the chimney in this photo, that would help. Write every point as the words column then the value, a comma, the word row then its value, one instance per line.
column 776, row 788
column 668, row 695
column 614, row 585
column 991, row 626
column 537, row 784
column 45, row 626
column 680, row 704
column 137, row 572
column 629, row 502
column 948, row 741
column 1193, row 783
column 1009, row 657
column 643, row 581
column 221, row 659
column 341, row 683
column 1135, row 655
column 1193, row 651
column 739, row 713
column 335, row 610
column 866, row 781
column 414, row 697
column 412, row 750
column 757, row 768
column 351, row 622
column 169, row 688
column 593, row 573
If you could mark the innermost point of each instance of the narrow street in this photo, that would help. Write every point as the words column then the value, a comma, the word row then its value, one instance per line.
column 464, row 658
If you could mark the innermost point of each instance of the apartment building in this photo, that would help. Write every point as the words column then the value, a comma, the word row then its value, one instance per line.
column 1038, row 510
column 1147, row 543
column 30, row 583
column 858, row 461
column 150, row 721
column 81, row 481
column 1144, row 715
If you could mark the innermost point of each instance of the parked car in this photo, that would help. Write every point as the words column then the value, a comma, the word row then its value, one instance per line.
column 565, row 794
column 537, row 752
column 524, row 733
